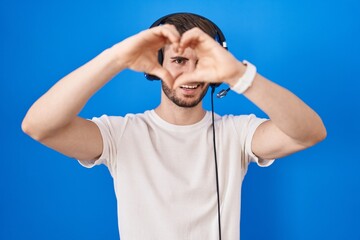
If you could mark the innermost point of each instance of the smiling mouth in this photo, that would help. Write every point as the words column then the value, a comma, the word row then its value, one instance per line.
column 190, row 86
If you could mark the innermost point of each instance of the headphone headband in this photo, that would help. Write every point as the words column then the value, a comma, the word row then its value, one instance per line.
column 219, row 37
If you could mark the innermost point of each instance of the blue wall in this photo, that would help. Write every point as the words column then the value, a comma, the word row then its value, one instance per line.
column 310, row 47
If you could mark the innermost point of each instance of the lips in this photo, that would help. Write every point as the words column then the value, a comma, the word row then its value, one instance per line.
column 190, row 86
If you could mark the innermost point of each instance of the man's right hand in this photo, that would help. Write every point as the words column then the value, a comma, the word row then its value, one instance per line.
column 139, row 52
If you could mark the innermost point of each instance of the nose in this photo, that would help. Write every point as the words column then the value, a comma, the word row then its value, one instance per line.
column 191, row 65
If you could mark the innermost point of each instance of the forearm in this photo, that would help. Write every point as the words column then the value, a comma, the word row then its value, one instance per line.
column 62, row 103
column 57, row 108
column 289, row 113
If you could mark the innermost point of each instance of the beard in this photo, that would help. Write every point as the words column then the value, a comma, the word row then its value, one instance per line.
column 189, row 101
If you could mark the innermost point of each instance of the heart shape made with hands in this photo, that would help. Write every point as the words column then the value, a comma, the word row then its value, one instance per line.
column 213, row 65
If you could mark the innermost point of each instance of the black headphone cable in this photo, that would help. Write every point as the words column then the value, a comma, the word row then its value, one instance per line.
column 215, row 157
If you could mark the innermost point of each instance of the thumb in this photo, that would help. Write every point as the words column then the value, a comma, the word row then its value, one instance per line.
column 164, row 75
column 188, row 77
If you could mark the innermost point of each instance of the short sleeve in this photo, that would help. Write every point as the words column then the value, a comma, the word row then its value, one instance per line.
column 254, row 123
column 108, row 130
column 248, row 126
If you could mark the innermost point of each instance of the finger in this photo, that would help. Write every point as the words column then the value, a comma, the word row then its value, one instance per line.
column 164, row 75
column 191, row 38
column 172, row 29
column 168, row 33
column 195, row 76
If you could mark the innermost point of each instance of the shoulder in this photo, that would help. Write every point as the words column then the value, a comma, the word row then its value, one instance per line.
column 243, row 119
column 114, row 123
column 116, row 119
column 244, row 125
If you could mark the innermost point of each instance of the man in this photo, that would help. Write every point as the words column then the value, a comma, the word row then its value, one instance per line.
column 162, row 161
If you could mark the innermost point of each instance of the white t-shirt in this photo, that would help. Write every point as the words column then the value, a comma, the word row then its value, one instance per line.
column 164, row 174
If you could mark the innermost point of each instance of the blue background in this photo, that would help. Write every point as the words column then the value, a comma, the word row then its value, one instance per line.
column 309, row 47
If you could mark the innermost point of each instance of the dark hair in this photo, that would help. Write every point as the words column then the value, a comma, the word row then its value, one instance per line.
column 186, row 21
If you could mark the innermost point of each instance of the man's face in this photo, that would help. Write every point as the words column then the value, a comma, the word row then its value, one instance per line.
column 187, row 95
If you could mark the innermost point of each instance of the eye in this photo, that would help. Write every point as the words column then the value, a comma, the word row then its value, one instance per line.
column 179, row 60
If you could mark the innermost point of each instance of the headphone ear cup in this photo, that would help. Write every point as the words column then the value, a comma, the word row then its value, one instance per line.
column 160, row 60
column 151, row 77
column 160, row 57
column 215, row 85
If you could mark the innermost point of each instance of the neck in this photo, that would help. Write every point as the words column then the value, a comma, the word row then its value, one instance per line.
column 174, row 114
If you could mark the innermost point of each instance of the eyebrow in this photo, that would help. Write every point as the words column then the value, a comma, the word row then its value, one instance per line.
column 179, row 57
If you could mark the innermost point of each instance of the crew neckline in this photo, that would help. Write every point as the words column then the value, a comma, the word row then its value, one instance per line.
column 173, row 127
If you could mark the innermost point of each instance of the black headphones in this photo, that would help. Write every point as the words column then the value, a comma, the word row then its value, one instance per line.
column 219, row 37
